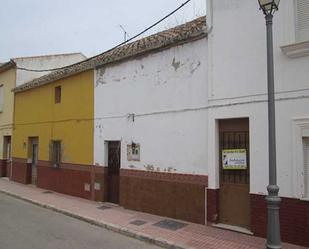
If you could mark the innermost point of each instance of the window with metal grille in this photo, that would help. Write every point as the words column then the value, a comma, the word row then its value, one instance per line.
column 57, row 94
column 302, row 20
column 306, row 166
column 56, row 153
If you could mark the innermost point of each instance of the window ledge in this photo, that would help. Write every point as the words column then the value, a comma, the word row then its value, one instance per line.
column 296, row 50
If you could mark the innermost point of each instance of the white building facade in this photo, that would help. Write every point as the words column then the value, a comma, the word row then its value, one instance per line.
column 237, row 115
column 182, row 127
column 151, row 107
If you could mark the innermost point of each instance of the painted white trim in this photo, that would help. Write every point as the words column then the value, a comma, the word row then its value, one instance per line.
column 94, row 111
column 296, row 50
column 299, row 126
column 213, row 152
column 205, row 211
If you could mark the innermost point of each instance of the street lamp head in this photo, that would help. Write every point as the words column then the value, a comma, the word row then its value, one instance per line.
column 269, row 6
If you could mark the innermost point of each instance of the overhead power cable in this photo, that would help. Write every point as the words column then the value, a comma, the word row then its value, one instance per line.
column 107, row 51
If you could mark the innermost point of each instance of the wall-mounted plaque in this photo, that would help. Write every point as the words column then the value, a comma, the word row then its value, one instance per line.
column 235, row 159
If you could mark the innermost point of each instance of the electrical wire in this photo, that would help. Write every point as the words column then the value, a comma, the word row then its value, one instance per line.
column 163, row 112
column 109, row 50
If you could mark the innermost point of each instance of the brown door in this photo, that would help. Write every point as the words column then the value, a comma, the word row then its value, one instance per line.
column 34, row 151
column 113, row 172
column 234, row 198
column 7, row 154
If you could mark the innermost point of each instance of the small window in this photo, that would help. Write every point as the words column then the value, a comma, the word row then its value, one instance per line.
column 57, row 94
column 306, row 166
column 302, row 20
column 1, row 98
column 55, row 153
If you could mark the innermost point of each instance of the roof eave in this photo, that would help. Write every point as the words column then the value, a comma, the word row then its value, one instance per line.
column 6, row 66
column 182, row 39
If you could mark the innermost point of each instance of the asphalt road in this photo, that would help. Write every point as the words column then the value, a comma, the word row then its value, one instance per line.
column 26, row 226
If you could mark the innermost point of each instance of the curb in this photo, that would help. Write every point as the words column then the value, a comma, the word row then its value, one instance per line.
column 111, row 227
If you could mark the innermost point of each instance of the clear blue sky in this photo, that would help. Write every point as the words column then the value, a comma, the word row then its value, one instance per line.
column 38, row 27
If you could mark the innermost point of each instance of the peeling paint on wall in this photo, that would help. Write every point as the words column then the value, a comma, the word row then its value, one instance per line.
column 194, row 66
column 100, row 76
column 175, row 64
column 149, row 167
column 171, row 79
column 169, row 169
column 99, row 128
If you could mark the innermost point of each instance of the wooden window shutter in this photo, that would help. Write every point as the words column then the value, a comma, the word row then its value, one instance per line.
column 302, row 20
column 55, row 151
column 306, row 166
column 51, row 152
column 57, row 94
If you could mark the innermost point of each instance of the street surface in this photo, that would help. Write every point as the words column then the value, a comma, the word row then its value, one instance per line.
column 26, row 226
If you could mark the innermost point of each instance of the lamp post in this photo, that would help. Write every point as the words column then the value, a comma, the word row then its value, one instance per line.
column 273, row 200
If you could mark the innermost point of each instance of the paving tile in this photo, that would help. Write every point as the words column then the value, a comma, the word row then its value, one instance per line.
column 104, row 207
column 170, row 224
column 138, row 222
column 188, row 236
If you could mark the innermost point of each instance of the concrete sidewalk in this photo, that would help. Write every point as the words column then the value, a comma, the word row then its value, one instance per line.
column 120, row 220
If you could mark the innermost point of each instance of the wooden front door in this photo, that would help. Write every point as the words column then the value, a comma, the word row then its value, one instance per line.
column 113, row 172
column 234, row 198
column 7, row 154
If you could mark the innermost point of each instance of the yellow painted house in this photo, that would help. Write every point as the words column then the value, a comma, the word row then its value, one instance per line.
column 53, row 135
column 11, row 77
column 7, row 83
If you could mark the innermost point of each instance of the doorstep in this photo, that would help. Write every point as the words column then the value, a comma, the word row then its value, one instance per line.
column 233, row 228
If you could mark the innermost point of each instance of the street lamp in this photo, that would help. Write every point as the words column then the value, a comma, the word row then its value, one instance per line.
column 273, row 200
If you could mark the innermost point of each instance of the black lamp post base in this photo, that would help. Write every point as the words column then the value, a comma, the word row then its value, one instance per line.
column 273, row 221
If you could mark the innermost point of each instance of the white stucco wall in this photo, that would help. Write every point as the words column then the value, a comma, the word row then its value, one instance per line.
column 43, row 62
column 167, row 92
column 238, row 87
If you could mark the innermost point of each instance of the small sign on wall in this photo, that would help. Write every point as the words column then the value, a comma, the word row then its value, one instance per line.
column 87, row 187
column 235, row 159
column 97, row 186
column 133, row 152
